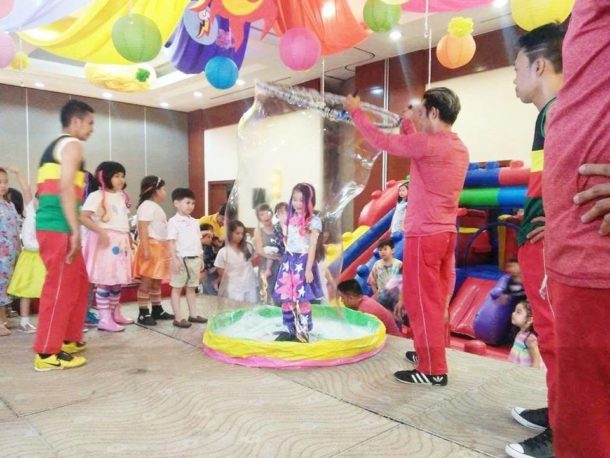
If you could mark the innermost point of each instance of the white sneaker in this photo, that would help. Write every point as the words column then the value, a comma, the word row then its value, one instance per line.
column 27, row 328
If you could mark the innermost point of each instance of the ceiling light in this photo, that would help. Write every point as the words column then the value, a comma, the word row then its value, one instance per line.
column 107, row 95
column 240, row 82
column 377, row 90
column 164, row 105
column 39, row 84
column 500, row 3
column 328, row 10
column 395, row 35
column 197, row 94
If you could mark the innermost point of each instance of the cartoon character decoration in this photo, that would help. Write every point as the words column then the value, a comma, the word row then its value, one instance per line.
column 200, row 25
column 239, row 13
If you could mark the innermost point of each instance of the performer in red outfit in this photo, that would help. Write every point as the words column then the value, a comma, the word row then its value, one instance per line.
column 438, row 169
column 538, row 78
column 577, row 250
column 63, row 302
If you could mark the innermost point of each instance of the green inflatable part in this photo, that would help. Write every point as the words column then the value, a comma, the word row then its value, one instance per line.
column 479, row 197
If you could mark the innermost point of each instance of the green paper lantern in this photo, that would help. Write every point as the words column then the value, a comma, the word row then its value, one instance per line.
column 381, row 17
column 137, row 38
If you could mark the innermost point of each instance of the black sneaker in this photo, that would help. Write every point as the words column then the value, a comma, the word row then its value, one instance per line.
column 536, row 419
column 412, row 357
column 540, row 446
column 146, row 320
column 419, row 378
column 162, row 315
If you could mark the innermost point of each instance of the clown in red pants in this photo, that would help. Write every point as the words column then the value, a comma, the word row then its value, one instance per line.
column 63, row 301
column 428, row 281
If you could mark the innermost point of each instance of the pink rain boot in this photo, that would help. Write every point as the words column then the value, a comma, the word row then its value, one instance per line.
column 107, row 322
column 118, row 316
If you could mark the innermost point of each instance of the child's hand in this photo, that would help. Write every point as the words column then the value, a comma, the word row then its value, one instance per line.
column 175, row 264
column 398, row 312
column 308, row 276
column 103, row 239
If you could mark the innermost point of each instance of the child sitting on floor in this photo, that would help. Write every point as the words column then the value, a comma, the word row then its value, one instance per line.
column 350, row 293
column 385, row 277
column 525, row 351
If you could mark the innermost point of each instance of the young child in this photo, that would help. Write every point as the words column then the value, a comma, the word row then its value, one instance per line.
column 234, row 265
column 9, row 247
column 298, row 280
column 525, row 351
column 513, row 292
column 28, row 277
column 210, row 245
column 269, row 247
column 398, row 219
column 91, row 185
column 383, row 276
column 107, row 252
column 184, row 237
column 151, row 263
column 350, row 293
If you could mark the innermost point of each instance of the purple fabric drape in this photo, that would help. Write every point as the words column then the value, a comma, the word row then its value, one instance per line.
column 190, row 57
column 29, row 14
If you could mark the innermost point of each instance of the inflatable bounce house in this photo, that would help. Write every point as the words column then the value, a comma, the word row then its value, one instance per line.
column 487, row 224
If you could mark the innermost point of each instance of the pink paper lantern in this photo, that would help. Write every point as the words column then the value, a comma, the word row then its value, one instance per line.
column 7, row 49
column 6, row 6
column 299, row 49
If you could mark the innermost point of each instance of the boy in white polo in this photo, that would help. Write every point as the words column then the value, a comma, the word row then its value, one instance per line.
column 184, row 240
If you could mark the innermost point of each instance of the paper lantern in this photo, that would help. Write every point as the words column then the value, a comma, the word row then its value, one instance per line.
column 529, row 14
column 221, row 72
column 121, row 78
column 299, row 49
column 21, row 61
column 381, row 17
column 7, row 49
column 137, row 38
column 6, row 6
column 457, row 48
column 394, row 2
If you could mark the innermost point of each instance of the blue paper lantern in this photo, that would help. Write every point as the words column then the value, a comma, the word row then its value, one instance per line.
column 221, row 72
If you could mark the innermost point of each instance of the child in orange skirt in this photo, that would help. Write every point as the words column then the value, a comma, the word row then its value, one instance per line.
column 151, row 263
column 108, row 247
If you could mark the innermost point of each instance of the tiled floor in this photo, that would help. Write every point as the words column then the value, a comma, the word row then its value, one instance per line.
column 152, row 392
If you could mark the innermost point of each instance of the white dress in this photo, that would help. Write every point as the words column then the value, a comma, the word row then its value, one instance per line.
column 239, row 279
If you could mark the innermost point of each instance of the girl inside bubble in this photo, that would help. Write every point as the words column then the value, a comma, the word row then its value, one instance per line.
column 298, row 280
column 398, row 218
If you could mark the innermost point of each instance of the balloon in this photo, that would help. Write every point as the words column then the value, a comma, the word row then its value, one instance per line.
column 7, row 49
column 529, row 14
column 221, row 72
column 299, row 49
column 381, row 17
column 137, row 38
column 6, row 6
column 200, row 26
column 454, row 52
column 21, row 61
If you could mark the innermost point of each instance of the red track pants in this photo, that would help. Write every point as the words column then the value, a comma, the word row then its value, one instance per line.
column 428, row 281
column 63, row 301
column 531, row 262
column 581, row 413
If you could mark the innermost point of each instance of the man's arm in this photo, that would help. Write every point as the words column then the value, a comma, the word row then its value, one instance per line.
column 72, row 157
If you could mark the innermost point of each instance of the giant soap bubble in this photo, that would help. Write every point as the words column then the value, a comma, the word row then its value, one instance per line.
column 295, row 143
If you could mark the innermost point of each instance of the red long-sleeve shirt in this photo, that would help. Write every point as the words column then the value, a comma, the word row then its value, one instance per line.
column 439, row 162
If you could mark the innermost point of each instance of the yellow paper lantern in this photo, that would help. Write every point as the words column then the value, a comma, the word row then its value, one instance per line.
column 121, row 78
column 21, row 61
column 529, row 14
column 457, row 48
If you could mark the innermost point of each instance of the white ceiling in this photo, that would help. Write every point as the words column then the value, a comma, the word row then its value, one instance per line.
column 262, row 62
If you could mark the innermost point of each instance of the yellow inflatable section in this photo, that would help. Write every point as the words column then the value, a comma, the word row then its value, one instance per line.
column 87, row 34
column 334, row 250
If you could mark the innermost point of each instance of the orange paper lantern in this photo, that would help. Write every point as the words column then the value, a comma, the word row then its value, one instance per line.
column 454, row 52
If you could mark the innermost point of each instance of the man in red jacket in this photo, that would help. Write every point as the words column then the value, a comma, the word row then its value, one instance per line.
column 439, row 161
